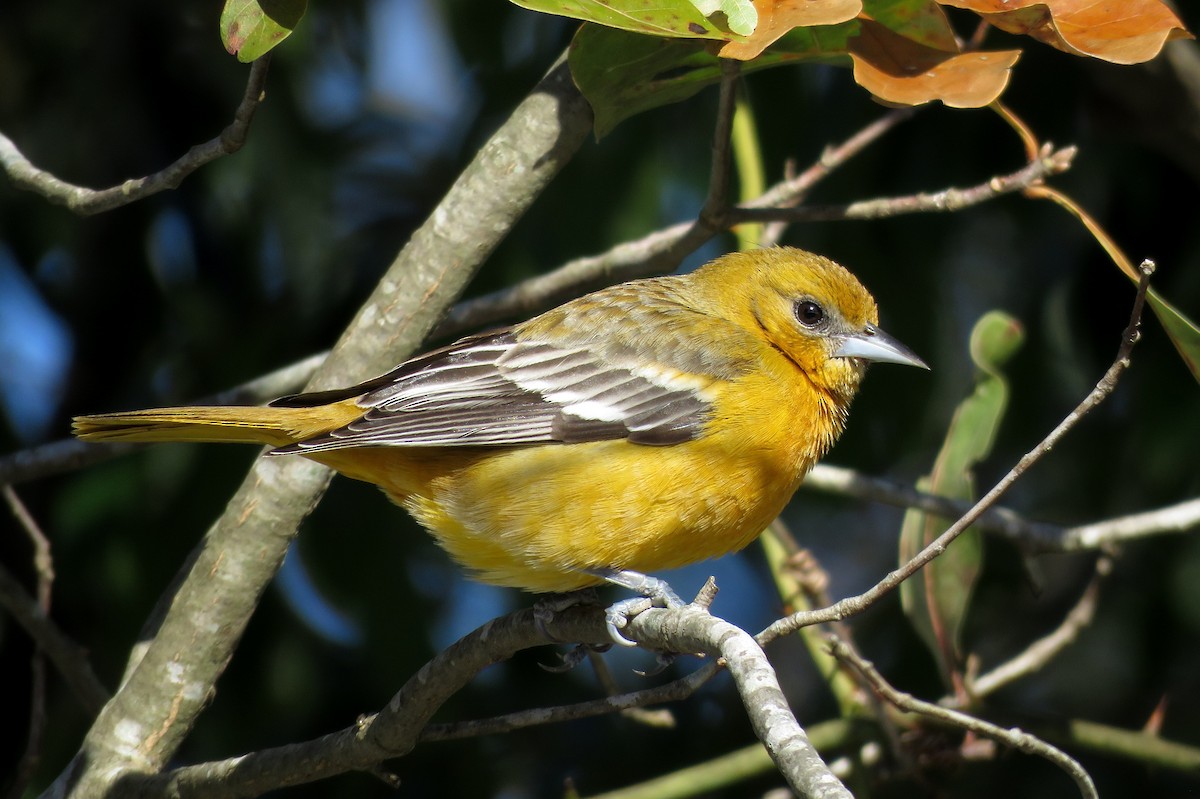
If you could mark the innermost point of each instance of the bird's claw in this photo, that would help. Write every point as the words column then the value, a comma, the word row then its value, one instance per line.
column 654, row 591
column 663, row 661
column 574, row 657
column 618, row 614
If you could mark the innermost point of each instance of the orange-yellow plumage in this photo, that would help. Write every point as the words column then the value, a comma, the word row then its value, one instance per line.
column 642, row 427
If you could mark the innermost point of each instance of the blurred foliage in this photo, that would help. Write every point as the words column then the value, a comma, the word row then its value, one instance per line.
column 262, row 258
column 936, row 602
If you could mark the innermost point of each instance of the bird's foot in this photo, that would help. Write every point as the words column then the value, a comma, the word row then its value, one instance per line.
column 655, row 593
column 543, row 612
column 574, row 656
column 550, row 604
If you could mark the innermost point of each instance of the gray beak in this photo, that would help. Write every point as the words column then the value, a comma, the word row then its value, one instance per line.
column 872, row 344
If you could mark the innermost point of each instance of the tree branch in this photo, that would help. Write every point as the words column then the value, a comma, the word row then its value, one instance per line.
column 655, row 253
column 1014, row 737
column 170, row 684
column 712, row 215
column 391, row 732
column 68, row 657
column 674, row 691
column 693, row 629
column 1045, row 649
column 396, row 729
column 1037, row 536
column 1097, row 535
column 86, row 201
column 850, row 483
column 1052, row 162
column 44, row 569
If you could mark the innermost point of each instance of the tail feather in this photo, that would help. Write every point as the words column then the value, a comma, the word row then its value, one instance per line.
column 256, row 425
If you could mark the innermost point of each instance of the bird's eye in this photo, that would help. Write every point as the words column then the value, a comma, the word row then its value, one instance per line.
column 809, row 314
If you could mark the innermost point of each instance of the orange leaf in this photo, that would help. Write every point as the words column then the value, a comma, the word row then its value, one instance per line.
column 777, row 17
column 1120, row 31
column 899, row 70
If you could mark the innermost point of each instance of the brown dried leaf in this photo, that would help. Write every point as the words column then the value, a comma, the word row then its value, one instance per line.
column 1120, row 31
column 898, row 70
column 777, row 17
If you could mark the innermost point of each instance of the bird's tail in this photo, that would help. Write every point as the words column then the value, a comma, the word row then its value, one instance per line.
column 239, row 424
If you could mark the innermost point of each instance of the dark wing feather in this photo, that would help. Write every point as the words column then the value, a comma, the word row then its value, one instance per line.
column 496, row 390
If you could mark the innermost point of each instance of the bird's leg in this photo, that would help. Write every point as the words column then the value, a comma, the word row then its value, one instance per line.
column 654, row 592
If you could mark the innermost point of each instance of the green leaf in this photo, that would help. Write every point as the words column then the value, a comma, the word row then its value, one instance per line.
column 922, row 21
column 622, row 74
column 670, row 18
column 937, row 599
column 1182, row 331
column 251, row 28
column 740, row 15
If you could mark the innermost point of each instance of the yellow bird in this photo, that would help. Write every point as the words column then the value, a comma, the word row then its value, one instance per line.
column 642, row 427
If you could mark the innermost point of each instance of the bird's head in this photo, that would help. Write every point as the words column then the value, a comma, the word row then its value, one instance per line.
column 816, row 313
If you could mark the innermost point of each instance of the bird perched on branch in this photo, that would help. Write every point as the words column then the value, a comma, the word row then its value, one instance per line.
column 642, row 427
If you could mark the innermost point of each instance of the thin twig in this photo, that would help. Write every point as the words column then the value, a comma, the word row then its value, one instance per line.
column 1014, row 737
column 656, row 253
column 952, row 199
column 69, row 659
column 44, row 569
column 83, row 200
column 43, row 564
column 1036, row 536
column 793, row 189
column 712, row 215
column 856, row 604
column 850, row 483
column 1145, row 749
column 1171, row 519
column 804, row 583
column 1045, row 649
column 674, row 691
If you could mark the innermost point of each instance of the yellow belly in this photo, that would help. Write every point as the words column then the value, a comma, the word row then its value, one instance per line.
column 538, row 517
column 553, row 512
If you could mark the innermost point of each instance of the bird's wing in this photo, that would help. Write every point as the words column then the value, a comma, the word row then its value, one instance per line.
column 500, row 390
